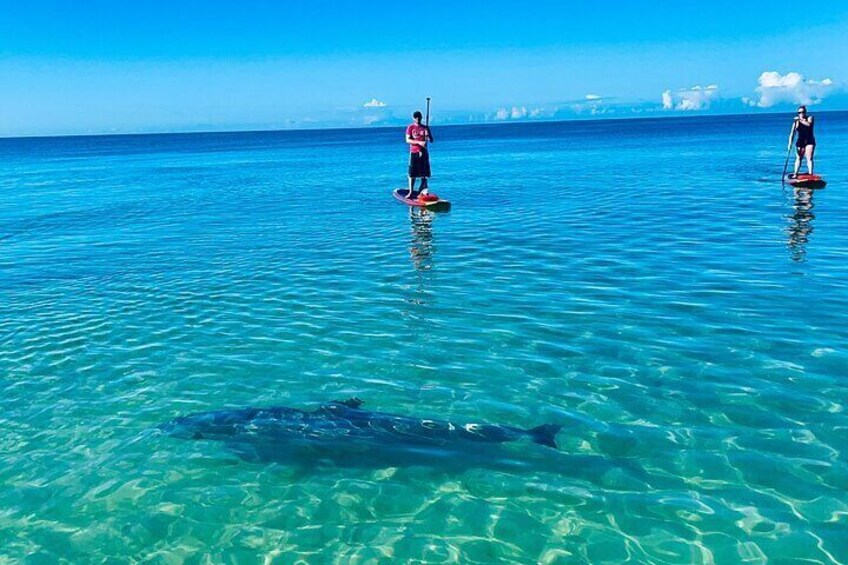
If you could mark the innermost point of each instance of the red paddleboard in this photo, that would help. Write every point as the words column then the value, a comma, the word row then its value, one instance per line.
column 428, row 201
column 806, row 181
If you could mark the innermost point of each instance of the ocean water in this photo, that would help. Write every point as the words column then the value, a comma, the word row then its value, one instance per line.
column 647, row 284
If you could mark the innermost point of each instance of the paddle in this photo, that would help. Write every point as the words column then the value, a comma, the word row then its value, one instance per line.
column 429, row 136
column 788, row 153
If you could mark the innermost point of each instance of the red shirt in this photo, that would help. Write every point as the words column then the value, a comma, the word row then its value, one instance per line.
column 416, row 133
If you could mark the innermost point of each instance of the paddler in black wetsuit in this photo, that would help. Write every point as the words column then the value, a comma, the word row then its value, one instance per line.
column 806, row 142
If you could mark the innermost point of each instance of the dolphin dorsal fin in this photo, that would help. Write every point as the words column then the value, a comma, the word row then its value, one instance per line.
column 545, row 434
column 352, row 402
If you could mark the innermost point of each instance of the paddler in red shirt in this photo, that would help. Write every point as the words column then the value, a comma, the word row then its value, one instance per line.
column 417, row 136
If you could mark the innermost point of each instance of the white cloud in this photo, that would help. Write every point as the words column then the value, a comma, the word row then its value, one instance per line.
column 793, row 88
column 593, row 106
column 374, row 103
column 515, row 113
column 695, row 98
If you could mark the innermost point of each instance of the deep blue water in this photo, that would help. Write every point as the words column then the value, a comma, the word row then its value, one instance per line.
column 647, row 284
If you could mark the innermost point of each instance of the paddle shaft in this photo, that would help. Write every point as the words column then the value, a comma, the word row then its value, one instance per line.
column 788, row 153
column 427, row 121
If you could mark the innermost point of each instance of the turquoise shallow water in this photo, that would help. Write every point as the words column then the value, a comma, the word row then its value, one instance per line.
column 647, row 284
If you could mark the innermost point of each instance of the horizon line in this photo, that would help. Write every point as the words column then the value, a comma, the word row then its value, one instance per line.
column 676, row 115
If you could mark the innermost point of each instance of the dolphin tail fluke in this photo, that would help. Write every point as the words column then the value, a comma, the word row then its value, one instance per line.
column 545, row 434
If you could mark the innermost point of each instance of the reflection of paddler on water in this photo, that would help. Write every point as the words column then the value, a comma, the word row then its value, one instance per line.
column 421, row 248
column 800, row 223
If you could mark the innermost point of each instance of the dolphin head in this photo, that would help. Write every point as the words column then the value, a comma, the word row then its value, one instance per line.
column 220, row 425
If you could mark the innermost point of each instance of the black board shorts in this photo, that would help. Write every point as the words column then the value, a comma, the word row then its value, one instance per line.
column 802, row 143
column 419, row 165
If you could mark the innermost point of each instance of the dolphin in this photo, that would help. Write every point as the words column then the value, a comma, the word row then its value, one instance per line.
column 346, row 434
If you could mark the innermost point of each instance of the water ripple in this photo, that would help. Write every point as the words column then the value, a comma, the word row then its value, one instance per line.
column 688, row 331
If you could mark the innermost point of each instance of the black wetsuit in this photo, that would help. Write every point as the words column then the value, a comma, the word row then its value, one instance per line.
column 805, row 135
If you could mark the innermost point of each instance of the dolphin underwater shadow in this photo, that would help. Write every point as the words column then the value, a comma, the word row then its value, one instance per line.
column 343, row 434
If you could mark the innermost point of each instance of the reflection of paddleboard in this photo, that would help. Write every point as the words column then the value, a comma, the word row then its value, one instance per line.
column 429, row 201
column 806, row 181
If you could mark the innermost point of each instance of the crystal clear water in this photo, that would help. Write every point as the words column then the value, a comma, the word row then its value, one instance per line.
column 647, row 284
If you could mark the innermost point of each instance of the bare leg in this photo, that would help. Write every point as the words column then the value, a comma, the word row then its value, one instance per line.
column 809, row 152
column 411, row 187
column 797, row 163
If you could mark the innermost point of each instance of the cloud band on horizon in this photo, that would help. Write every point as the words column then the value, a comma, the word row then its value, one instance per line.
column 687, row 99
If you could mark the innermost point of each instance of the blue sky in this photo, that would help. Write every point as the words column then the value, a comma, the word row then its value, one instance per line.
column 70, row 67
